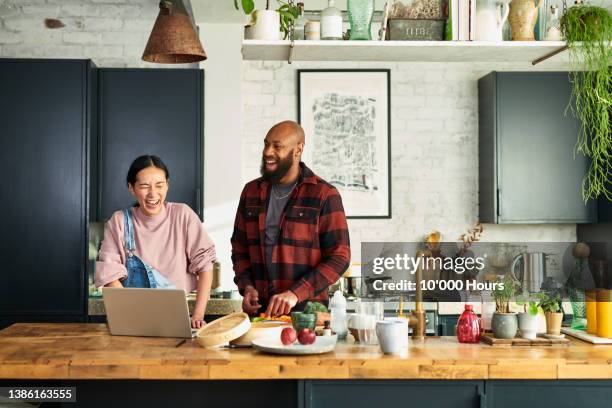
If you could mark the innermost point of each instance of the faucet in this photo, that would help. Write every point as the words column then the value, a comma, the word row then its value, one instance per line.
column 416, row 319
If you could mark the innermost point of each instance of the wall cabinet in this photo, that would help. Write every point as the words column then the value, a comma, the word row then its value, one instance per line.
column 69, row 133
column 149, row 111
column 528, row 172
column 45, row 111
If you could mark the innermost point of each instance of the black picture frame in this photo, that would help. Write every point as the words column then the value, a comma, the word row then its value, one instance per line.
column 379, row 180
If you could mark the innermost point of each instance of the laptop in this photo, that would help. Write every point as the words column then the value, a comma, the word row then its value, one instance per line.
column 147, row 312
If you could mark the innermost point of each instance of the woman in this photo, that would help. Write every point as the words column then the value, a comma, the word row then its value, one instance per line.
column 156, row 244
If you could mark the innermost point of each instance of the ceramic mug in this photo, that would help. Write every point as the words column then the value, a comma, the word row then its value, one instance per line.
column 390, row 334
column 404, row 322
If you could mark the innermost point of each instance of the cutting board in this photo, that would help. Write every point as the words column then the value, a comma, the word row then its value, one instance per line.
column 488, row 338
column 582, row 335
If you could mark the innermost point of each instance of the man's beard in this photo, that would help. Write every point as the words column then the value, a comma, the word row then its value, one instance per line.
column 282, row 167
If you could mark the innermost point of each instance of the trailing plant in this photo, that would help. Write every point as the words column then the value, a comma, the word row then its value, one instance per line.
column 288, row 13
column 549, row 304
column 588, row 32
column 503, row 292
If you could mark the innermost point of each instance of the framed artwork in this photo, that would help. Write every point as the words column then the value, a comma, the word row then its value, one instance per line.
column 346, row 115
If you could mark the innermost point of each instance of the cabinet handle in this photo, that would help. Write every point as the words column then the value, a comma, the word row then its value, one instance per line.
column 198, row 201
column 499, row 212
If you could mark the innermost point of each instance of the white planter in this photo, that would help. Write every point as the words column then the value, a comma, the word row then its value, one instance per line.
column 265, row 26
column 528, row 325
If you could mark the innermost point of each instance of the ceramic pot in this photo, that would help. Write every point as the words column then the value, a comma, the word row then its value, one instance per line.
column 528, row 325
column 504, row 325
column 523, row 17
column 553, row 323
column 265, row 25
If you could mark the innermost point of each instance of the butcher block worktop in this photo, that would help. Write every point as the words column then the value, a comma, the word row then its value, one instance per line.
column 87, row 351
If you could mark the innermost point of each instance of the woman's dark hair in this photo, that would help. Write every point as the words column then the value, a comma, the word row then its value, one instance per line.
column 143, row 162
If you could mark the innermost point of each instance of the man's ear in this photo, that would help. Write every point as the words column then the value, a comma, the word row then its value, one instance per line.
column 300, row 148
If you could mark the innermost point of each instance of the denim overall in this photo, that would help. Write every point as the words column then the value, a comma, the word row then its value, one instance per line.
column 139, row 274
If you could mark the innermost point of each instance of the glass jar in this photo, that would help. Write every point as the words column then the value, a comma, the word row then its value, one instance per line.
column 360, row 13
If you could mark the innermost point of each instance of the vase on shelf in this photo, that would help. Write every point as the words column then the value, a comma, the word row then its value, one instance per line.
column 523, row 17
column 490, row 19
column 360, row 13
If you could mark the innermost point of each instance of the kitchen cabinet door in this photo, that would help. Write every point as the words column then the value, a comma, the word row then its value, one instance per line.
column 528, row 171
column 44, row 111
column 150, row 111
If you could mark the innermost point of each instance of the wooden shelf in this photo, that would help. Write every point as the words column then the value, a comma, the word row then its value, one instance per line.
column 426, row 51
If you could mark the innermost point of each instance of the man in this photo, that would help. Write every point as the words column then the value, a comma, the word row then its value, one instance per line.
column 290, row 239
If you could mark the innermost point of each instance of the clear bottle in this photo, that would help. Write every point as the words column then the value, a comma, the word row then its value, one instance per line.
column 299, row 23
column 337, row 306
column 553, row 25
column 331, row 22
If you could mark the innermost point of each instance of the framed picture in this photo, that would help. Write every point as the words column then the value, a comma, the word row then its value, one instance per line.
column 346, row 115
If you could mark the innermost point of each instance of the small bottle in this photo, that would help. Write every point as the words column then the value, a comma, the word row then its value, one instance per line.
column 553, row 25
column 468, row 326
column 299, row 23
column 331, row 22
column 327, row 331
column 337, row 306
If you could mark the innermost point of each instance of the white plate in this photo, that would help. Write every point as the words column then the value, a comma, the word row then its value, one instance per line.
column 323, row 344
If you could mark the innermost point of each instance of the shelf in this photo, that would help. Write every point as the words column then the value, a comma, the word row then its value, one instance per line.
column 426, row 51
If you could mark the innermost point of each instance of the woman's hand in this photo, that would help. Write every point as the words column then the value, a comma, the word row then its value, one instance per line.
column 197, row 319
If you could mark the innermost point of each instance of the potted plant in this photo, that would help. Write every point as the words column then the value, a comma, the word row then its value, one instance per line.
column 528, row 320
column 588, row 32
column 504, row 323
column 552, row 311
column 267, row 24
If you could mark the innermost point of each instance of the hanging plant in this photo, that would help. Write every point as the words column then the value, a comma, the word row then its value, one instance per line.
column 588, row 32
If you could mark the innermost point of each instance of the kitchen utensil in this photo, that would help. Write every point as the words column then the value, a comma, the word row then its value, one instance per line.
column 221, row 331
column 323, row 344
column 532, row 270
column 604, row 313
column 260, row 330
column 390, row 334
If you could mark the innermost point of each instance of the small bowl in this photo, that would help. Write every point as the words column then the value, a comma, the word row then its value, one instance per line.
column 301, row 320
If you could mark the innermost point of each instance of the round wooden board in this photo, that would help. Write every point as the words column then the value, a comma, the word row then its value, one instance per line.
column 223, row 330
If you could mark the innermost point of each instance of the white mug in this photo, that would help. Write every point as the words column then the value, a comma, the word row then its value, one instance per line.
column 390, row 334
column 404, row 322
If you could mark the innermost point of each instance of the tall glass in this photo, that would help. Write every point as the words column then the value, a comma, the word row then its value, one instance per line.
column 360, row 13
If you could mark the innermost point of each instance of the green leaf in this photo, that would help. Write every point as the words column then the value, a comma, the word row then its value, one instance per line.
column 248, row 6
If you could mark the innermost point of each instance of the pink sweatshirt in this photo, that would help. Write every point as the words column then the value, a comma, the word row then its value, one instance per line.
column 174, row 242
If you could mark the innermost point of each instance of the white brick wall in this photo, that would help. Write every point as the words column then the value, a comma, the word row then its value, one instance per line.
column 113, row 33
column 434, row 145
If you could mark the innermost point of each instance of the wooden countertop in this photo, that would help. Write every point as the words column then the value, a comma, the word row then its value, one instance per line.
column 87, row 351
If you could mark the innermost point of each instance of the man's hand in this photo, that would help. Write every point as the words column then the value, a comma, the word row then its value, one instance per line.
column 250, row 302
column 282, row 303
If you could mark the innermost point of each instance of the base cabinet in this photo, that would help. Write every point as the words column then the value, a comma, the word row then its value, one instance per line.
column 384, row 393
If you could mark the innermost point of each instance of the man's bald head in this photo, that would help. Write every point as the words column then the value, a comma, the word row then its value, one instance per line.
column 289, row 129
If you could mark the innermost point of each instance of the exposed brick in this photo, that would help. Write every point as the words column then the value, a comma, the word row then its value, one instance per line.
column 103, row 51
column 47, row 10
column 10, row 37
column 9, row 10
column 120, row 11
column 78, row 37
column 102, row 24
column 138, row 25
column 118, row 37
column 81, row 10
column 25, row 24
column 64, row 51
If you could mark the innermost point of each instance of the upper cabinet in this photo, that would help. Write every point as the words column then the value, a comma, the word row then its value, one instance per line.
column 150, row 111
column 528, row 172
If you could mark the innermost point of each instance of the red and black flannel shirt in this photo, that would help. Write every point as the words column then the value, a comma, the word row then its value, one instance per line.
column 312, row 251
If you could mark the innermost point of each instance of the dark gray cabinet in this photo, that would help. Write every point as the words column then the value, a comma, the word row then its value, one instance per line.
column 150, row 111
column 45, row 110
column 528, row 172
column 371, row 393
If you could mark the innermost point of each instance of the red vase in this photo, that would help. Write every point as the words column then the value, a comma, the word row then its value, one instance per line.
column 468, row 326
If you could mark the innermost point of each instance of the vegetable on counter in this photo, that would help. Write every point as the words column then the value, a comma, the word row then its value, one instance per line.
column 315, row 307
column 264, row 317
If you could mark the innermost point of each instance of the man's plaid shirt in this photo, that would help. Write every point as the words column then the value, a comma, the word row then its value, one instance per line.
column 312, row 251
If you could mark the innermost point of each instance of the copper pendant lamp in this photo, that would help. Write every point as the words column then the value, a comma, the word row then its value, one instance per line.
column 173, row 39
